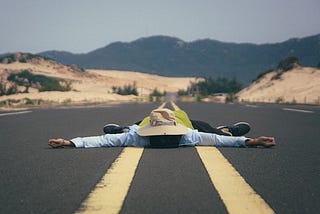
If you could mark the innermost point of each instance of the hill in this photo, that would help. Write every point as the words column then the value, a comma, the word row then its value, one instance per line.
column 170, row 56
column 88, row 86
column 298, row 85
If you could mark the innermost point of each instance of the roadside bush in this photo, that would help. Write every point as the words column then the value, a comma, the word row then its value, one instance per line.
column 230, row 98
column 182, row 92
column 126, row 90
column 279, row 100
column 156, row 95
column 29, row 101
column 211, row 86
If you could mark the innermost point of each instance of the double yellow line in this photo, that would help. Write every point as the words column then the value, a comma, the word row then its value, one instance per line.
column 110, row 193
column 234, row 191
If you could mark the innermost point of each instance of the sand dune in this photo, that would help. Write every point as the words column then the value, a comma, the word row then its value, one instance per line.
column 91, row 86
column 300, row 85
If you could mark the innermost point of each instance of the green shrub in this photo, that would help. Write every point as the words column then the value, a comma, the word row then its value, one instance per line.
column 41, row 82
column 28, row 101
column 126, row 90
column 199, row 98
column 279, row 100
column 156, row 95
column 231, row 98
column 288, row 63
column 5, row 90
column 211, row 86
column 182, row 92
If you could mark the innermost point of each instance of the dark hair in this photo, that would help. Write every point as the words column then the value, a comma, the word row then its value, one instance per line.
column 165, row 141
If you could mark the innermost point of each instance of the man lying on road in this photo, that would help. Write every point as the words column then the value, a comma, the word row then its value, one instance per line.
column 162, row 130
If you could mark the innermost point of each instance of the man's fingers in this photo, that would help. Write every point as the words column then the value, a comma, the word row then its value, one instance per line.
column 271, row 142
column 267, row 141
column 54, row 143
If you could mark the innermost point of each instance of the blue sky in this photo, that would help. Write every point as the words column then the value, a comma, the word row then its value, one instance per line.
column 80, row 26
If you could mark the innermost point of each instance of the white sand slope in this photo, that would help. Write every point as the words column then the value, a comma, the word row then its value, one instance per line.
column 91, row 85
column 300, row 85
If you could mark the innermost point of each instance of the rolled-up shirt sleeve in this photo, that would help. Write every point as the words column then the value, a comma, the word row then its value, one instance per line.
column 209, row 139
column 108, row 140
column 130, row 138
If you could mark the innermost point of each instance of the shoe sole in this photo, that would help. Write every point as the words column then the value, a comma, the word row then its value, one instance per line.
column 111, row 124
column 244, row 123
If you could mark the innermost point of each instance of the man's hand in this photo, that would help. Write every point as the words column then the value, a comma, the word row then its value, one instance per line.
column 59, row 142
column 55, row 143
column 261, row 141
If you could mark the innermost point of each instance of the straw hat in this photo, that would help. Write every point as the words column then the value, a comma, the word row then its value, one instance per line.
column 162, row 122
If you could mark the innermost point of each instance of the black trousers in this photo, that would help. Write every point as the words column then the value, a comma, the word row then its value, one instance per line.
column 201, row 126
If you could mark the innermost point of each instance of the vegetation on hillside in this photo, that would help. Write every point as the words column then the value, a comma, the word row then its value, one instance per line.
column 27, row 57
column 211, row 86
column 288, row 63
column 26, row 79
column 19, row 57
column 7, row 89
column 284, row 65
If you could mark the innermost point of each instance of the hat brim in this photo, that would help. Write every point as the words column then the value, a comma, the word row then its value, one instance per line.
column 149, row 130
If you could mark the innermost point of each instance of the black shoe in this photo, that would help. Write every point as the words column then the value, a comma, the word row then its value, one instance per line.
column 113, row 129
column 238, row 129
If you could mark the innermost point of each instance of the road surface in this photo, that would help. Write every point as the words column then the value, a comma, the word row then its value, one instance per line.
column 37, row 179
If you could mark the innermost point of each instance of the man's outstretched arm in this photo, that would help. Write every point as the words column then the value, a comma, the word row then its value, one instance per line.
column 208, row 139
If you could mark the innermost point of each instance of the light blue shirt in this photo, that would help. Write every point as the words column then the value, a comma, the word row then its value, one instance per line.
column 131, row 138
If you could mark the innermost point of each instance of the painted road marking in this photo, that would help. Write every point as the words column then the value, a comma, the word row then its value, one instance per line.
column 109, row 194
column 234, row 191
column 14, row 113
column 252, row 106
column 298, row 110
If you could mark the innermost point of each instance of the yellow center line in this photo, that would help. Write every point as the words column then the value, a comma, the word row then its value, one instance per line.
column 234, row 191
column 109, row 194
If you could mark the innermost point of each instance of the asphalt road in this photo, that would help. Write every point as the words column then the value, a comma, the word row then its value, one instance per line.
column 37, row 179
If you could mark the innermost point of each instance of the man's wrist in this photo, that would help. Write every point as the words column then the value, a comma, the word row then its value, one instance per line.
column 250, row 142
column 67, row 143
